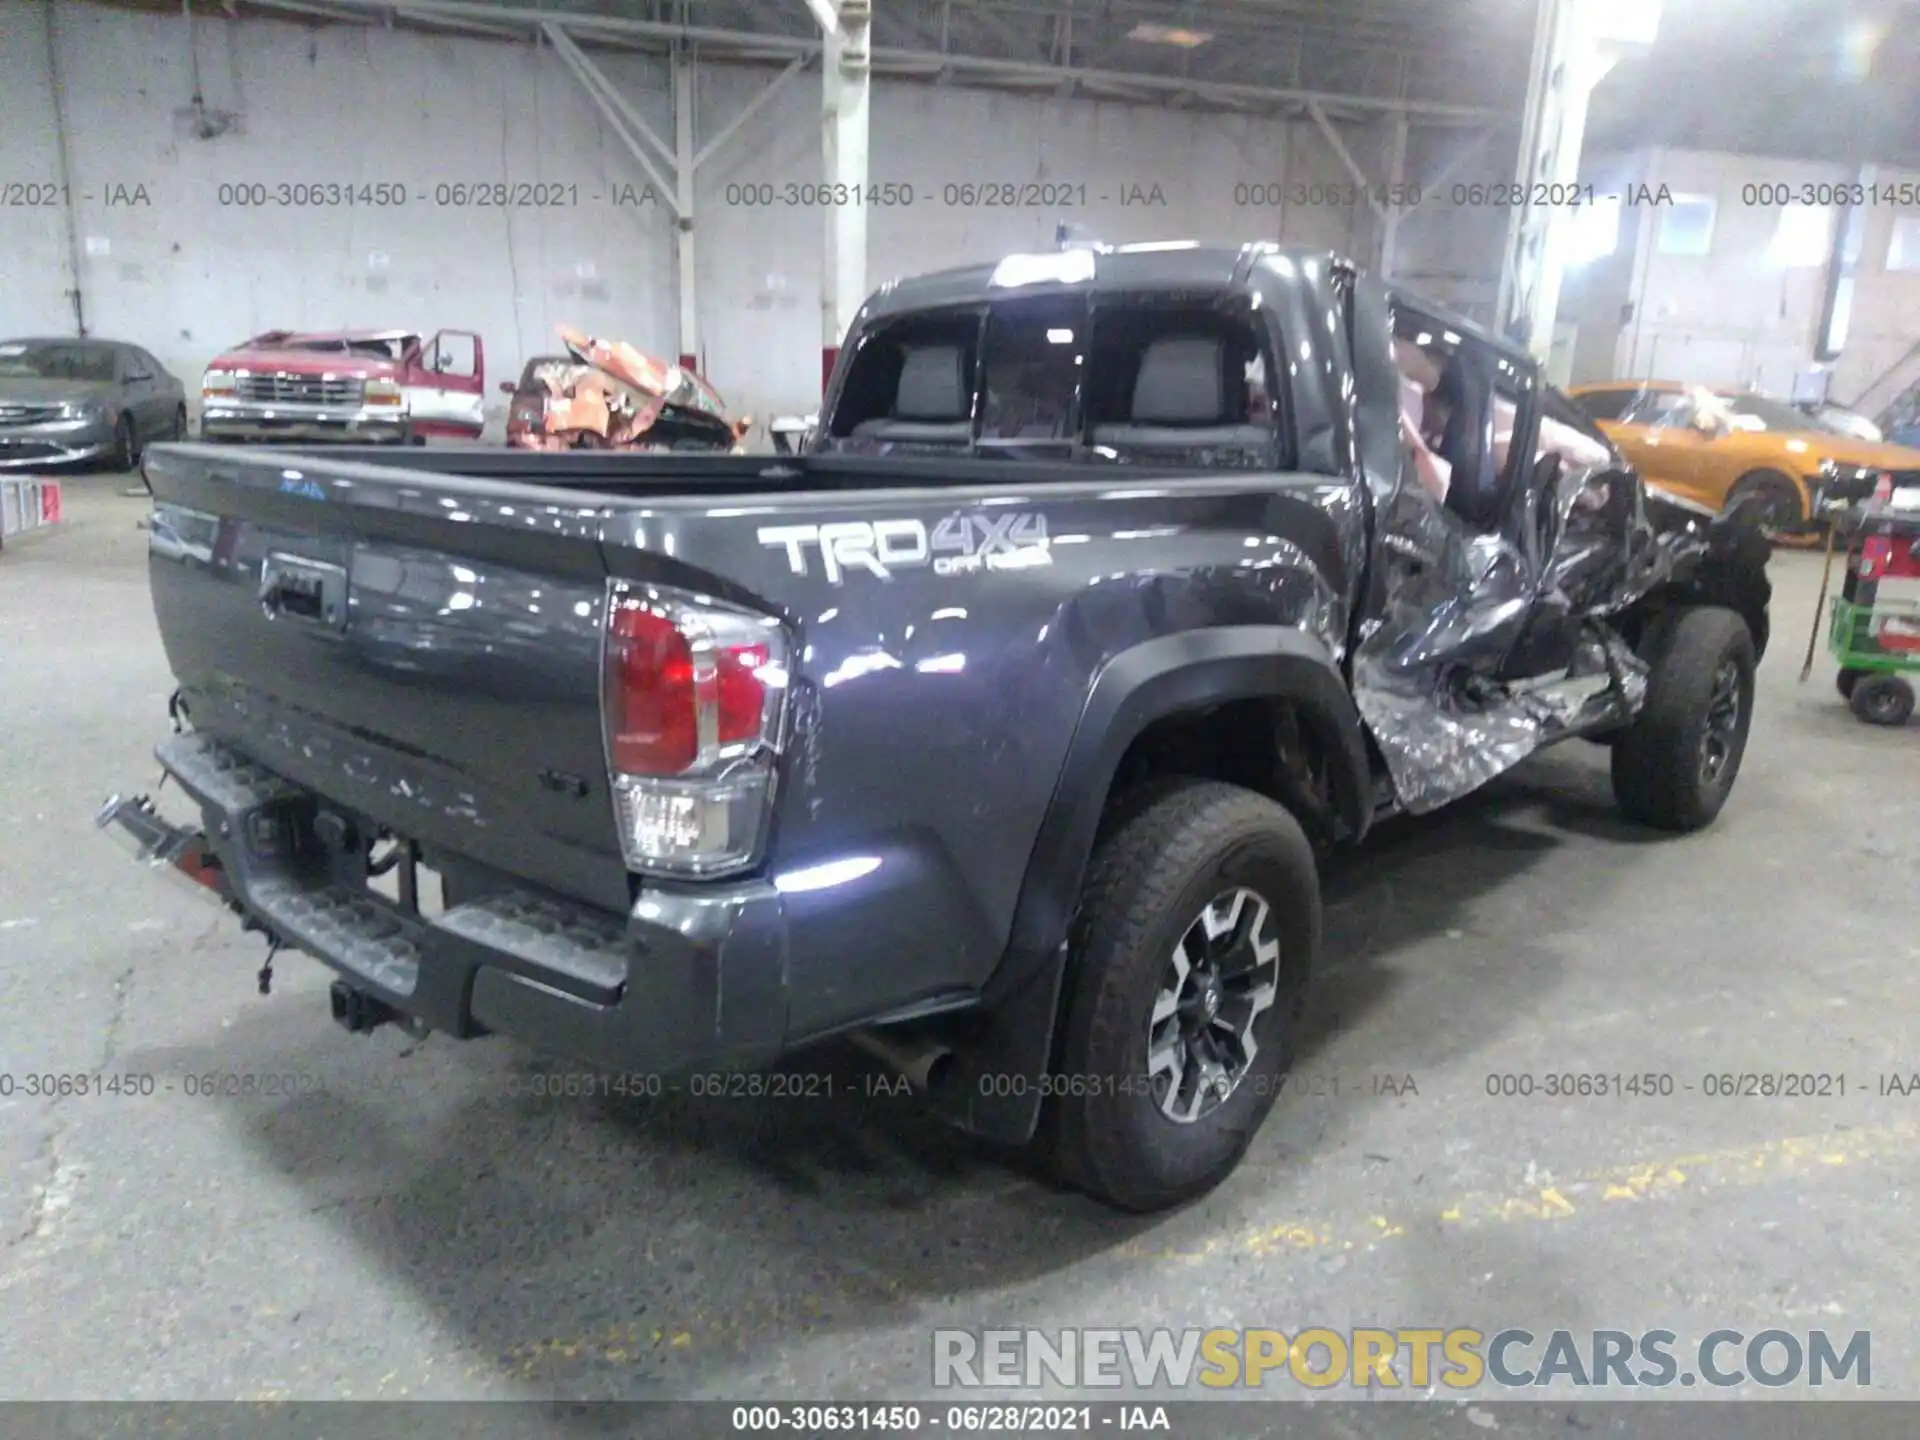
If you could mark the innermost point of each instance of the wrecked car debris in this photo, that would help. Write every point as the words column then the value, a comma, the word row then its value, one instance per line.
column 606, row 395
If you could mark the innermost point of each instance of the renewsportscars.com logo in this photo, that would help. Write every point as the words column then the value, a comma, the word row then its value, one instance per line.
column 1409, row 1358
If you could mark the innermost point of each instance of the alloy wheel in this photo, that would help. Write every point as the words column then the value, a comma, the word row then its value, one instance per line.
column 1723, row 722
column 1222, row 976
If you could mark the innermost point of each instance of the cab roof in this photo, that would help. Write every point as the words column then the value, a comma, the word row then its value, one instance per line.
column 1157, row 265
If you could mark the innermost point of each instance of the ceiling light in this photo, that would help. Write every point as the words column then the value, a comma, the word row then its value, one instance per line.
column 1169, row 35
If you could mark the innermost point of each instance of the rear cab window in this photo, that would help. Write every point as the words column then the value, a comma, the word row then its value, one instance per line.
column 1181, row 380
column 910, row 388
column 1168, row 379
column 1031, row 374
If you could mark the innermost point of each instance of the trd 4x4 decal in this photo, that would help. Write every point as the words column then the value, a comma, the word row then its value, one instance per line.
column 962, row 543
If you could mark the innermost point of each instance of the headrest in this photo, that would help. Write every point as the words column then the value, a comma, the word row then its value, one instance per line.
column 932, row 385
column 1180, row 383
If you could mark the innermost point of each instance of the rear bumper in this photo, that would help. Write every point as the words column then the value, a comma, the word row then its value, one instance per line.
column 252, row 420
column 693, row 976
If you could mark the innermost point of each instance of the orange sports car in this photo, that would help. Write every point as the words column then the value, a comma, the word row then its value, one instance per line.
column 1716, row 447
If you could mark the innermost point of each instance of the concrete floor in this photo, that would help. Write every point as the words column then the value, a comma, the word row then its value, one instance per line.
column 422, row 1228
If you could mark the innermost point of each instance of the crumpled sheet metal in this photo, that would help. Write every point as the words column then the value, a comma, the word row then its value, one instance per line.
column 1423, row 677
column 613, row 397
column 1441, row 740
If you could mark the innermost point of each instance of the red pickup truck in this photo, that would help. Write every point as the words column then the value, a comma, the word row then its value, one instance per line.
column 361, row 386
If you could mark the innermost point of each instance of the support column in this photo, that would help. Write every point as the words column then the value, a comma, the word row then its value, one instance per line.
column 1843, row 262
column 1576, row 43
column 57, row 89
column 845, row 64
column 683, row 178
column 1396, row 182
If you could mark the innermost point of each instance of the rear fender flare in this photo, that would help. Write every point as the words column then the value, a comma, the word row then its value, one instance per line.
column 1153, row 681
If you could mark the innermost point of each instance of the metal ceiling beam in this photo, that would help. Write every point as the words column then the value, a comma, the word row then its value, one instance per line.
column 318, row 12
column 984, row 17
column 1458, row 162
column 596, row 80
column 611, row 107
column 1241, row 21
column 720, row 43
column 752, row 108
column 1340, row 149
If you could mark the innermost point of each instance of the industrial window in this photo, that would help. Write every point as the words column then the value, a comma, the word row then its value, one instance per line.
column 1804, row 235
column 1903, row 251
column 1596, row 230
column 1686, row 226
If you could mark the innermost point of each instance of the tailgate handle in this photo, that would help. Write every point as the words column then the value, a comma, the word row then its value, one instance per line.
column 300, row 589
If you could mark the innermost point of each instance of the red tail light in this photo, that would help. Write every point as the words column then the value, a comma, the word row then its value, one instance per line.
column 659, row 687
column 693, row 699
column 743, row 696
column 652, row 723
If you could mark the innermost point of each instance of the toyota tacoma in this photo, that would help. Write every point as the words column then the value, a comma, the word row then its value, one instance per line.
column 1001, row 731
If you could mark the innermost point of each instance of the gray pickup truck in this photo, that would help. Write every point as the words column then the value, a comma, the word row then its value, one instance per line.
column 999, row 732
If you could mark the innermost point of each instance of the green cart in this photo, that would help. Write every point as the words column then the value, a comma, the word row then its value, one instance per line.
column 1875, row 639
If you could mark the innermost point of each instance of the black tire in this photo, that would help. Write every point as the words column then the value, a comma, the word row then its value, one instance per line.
column 1882, row 700
column 1771, row 500
column 1164, row 869
column 1674, row 767
column 1846, row 680
column 126, row 448
column 179, row 430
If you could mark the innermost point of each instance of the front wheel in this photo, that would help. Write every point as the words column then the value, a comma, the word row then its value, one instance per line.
column 126, row 449
column 1770, row 501
column 1191, row 947
column 1674, row 767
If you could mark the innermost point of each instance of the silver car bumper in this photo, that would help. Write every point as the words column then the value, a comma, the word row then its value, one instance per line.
column 55, row 442
column 254, row 420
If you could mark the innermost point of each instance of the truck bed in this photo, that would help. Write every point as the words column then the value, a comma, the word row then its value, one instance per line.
column 453, row 695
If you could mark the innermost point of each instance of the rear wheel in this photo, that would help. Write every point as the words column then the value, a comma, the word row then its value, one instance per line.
column 1192, row 944
column 1846, row 680
column 1882, row 700
column 179, row 430
column 1674, row 767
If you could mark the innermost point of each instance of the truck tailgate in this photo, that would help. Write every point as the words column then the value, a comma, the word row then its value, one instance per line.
column 422, row 650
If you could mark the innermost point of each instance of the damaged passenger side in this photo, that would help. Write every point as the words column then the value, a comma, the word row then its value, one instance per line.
column 1513, row 546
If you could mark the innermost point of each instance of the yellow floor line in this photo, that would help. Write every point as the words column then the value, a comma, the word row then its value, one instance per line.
column 1569, row 1198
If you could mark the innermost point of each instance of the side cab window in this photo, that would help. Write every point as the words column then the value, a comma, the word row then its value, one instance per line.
column 1466, row 417
column 1184, row 381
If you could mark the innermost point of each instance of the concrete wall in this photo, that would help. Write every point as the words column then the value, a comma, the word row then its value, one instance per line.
column 169, row 261
column 1737, row 315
